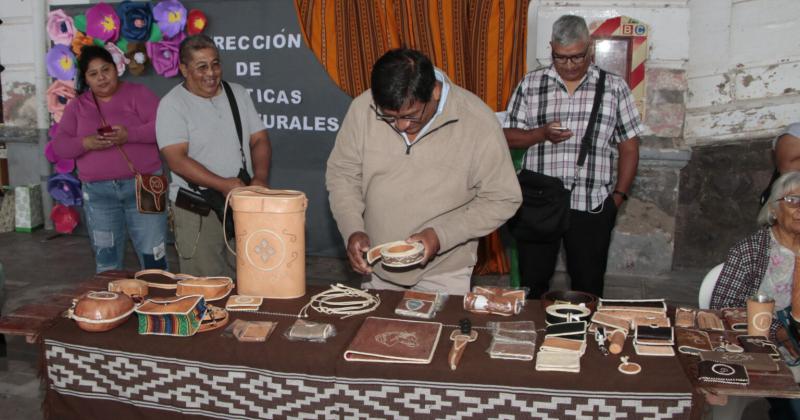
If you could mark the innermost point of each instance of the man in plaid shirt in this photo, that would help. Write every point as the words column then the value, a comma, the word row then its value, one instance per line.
column 548, row 115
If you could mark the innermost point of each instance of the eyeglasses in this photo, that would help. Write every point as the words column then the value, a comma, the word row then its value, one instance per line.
column 392, row 120
column 792, row 201
column 575, row 59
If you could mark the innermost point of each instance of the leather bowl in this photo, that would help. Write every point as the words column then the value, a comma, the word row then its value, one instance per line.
column 102, row 311
column 572, row 296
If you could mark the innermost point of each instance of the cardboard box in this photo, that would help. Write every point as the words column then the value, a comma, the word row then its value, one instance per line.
column 28, row 214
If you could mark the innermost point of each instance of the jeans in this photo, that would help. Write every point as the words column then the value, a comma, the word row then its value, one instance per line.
column 110, row 208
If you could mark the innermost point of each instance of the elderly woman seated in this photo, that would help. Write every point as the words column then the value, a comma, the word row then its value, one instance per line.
column 765, row 262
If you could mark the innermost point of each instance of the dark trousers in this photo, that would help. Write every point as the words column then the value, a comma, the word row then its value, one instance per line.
column 586, row 244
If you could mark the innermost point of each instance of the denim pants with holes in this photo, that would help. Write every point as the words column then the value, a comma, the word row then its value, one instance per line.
column 110, row 208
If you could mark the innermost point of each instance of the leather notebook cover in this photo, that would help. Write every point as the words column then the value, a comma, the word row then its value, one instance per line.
column 386, row 340
column 722, row 373
column 692, row 341
column 751, row 361
column 758, row 344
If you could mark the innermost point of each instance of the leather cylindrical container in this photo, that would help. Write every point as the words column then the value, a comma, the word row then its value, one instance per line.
column 270, row 242
column 760, row 310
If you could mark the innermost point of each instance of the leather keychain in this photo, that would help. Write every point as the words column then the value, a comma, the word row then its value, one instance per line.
column 460, row 339
column 600, row 337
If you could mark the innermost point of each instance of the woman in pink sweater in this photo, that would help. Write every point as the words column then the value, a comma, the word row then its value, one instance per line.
column 109, row 191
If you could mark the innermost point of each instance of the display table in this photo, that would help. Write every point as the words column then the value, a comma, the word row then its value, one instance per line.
column 92, row 375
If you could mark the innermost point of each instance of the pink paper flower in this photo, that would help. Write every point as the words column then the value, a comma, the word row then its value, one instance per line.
column 102, row 22
column 58, row 95
column 119, row 58
column 164, row 55
column 60, row 27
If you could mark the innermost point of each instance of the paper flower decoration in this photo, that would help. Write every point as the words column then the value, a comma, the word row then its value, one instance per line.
column 137, row 58
column 64, row 218
column 80, row 22
column 62, row 166
column 102, row 22
column 196, row 21
column 119, row 58
column 58, row 94
column 155, row 34
column 60, row 27
column 164, row 55
column 135, row 20
column 66, row 189
column 171, row 17
column 79, row 40
column 60, row 63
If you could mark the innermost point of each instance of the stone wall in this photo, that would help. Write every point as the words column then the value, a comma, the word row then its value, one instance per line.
column 718, row 200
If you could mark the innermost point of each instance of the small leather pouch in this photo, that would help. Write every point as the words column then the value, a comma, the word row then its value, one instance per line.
column 417, row 304
column 611, row 321
column 692, row 341
column 561, row 344
column 707, row 320
column 310, row 331
column 649, row 350
column 759, row 344
column 192, row 201
column 684, row 317
column 572, row 330
column 751, row 361
column 558, row 361
column 512, row 350
column 237, row 303
column 151, row 193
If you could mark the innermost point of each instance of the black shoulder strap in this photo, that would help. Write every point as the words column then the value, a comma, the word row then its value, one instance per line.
column 237, row 120
column 589, row 134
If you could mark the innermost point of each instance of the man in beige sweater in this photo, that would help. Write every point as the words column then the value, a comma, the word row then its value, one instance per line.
column 421, row 159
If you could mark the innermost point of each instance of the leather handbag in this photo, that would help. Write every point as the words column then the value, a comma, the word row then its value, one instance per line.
column 151, row 189
column 544, row 213
column 150, row 192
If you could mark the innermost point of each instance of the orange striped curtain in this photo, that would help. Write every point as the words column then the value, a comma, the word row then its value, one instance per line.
column 479, row 44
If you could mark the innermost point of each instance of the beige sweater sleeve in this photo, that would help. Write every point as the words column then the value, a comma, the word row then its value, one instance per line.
column 344, row 175
column 497, row 193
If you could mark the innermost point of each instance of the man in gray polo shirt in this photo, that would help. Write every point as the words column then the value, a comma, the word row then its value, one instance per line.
column 197, row 136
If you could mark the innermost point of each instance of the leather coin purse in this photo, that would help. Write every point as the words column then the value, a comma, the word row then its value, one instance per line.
column 101, row 311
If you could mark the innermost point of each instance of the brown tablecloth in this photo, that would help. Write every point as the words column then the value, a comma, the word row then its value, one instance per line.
column 91, row 375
